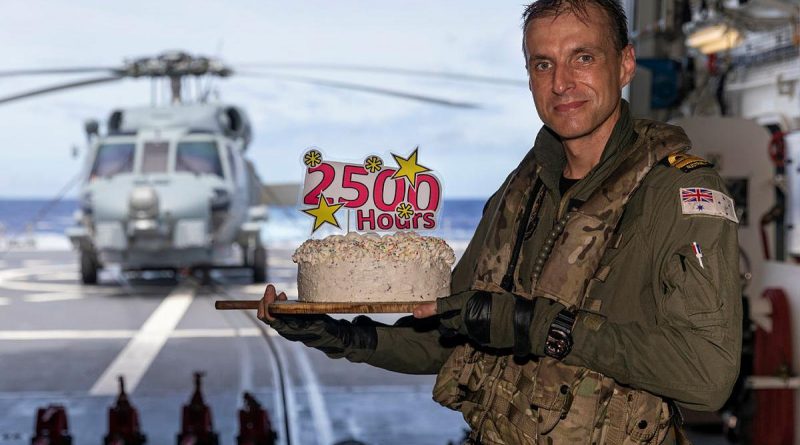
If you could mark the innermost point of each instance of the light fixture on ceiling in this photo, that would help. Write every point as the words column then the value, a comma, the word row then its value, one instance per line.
column 713, row 37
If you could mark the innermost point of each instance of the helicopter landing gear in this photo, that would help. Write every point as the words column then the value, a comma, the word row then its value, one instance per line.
column 205, row 275
column 89, row 266
column 260, row 265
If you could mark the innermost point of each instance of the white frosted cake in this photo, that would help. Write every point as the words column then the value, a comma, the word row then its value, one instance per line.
column 373, row 268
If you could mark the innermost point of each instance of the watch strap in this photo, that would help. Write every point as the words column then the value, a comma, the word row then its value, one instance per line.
column 564, row 321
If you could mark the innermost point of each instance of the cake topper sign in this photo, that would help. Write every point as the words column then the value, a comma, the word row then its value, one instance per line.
column 406, row 197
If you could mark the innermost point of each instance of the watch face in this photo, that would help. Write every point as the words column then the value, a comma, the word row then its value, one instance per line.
column 558, row 344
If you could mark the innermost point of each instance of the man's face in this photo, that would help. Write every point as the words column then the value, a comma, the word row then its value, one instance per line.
column 575, row 73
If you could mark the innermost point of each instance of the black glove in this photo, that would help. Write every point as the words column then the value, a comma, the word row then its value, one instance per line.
column 354, row 340
column 499, row 320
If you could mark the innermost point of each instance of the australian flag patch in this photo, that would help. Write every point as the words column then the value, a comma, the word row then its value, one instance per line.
column 703, row 201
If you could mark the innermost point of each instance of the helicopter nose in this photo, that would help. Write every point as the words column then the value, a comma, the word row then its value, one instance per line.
column 143, row 203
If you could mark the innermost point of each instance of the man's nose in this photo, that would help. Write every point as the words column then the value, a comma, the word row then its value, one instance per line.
column 563, row 80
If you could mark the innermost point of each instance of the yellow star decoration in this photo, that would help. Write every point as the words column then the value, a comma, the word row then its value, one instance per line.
column 312, row 158
column 324, row 213
column 409, row 167
column 404, row 210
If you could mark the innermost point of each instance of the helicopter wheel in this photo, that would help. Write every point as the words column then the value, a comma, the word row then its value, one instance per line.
column 205, row 276
column 89, row 266
column 260, row 265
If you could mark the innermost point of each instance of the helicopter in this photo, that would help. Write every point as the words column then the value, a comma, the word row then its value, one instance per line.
column 168, row 186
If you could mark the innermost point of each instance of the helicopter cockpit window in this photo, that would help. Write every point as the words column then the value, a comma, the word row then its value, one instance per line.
column 199, row 157
column 155, row 156
column 113, row 159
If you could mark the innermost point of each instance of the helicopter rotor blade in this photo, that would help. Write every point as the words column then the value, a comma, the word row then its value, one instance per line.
column 59, row 87
column 75, row 70
column 447, row 75
column 363, row 88
column 391, row 71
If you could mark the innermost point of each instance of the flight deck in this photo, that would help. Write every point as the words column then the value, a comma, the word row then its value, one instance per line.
column 63, row 342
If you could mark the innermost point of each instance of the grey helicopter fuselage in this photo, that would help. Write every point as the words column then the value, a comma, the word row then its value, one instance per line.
column 168, row 187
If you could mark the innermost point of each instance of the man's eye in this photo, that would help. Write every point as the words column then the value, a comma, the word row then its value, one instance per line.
column 541, row 66
column 585, row 58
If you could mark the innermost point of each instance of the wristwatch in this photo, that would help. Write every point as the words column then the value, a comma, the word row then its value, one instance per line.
column 559, row 337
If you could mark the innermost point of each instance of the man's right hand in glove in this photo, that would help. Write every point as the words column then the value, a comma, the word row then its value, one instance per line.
column 355, row 341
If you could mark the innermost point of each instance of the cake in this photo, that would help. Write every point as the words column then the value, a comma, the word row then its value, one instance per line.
column 372, row 268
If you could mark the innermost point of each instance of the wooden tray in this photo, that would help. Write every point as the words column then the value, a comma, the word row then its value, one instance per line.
column 303, row 307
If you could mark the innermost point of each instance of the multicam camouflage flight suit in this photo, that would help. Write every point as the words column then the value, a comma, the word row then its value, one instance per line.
column 653, row 324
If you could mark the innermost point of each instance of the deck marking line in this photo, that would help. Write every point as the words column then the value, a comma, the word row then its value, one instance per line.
column 319, row 413
column 289, row 417
column 66, row 334
column 142, row 349
column 70, row 276
column 111, row 334
column 35, row 263
column 10, row 274
column 215, row 333
column 272, row 332
column 47, row 297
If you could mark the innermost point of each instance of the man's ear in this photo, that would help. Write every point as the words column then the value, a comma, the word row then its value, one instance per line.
column 627, row 65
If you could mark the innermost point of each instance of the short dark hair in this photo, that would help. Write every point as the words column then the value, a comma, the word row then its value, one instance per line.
column 553, row 8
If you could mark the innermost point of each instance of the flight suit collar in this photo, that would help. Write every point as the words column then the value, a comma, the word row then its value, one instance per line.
column 549, row 153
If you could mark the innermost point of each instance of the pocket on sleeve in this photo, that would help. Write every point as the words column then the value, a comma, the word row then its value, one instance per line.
column 692, row 289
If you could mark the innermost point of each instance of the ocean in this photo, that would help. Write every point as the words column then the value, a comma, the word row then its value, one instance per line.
column 41, row 223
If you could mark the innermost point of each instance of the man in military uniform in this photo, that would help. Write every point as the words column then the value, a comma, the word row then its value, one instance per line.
column 601, row 287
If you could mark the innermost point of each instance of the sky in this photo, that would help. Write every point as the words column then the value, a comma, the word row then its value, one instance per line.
column 472, row 150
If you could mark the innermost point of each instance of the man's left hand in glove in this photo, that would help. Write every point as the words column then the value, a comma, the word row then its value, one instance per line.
column 496, row 320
